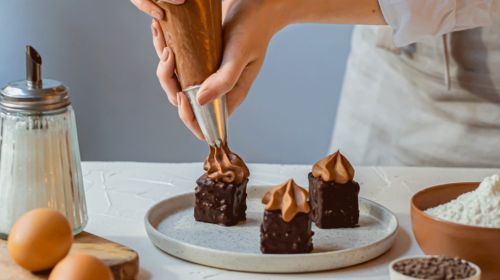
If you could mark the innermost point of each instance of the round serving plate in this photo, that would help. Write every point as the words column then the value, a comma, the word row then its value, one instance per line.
column 171, row 227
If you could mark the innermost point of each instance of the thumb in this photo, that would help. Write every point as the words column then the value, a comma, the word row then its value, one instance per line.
column 221, row 82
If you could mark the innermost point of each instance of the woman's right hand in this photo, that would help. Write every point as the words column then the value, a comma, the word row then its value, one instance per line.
column 248, row 27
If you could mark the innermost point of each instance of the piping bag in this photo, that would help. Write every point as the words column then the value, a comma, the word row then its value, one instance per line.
column 193, row 31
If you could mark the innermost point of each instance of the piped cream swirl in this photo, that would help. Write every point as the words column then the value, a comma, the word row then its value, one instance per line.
column 334, row 168
column 288, row 197
column 222, row 165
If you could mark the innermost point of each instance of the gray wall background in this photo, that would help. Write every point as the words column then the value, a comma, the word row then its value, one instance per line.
column 102, row 50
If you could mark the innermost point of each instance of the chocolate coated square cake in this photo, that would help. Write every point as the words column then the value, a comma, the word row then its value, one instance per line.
column 286, row 226
column 333, row 194
column 220, row 195
column 219, row 202
column 333, row 205
column 280, row 237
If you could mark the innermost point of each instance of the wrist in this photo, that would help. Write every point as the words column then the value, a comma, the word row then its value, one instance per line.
column 328, row 11
column 279, row 14
column 291, row 11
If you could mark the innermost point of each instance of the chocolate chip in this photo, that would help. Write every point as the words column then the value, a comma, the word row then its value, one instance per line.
column 435, row 268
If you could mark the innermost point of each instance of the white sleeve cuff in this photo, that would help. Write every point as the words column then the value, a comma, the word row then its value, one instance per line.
column 414, row 20
column 470, row 14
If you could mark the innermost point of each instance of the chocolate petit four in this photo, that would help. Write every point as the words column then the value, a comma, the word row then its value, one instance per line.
column 221, row 191
column 333, row 193
column 286, row 227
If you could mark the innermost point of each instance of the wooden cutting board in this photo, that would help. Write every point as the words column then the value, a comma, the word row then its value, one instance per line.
column 123, row 261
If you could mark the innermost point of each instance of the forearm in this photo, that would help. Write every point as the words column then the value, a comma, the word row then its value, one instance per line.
column 330, row 11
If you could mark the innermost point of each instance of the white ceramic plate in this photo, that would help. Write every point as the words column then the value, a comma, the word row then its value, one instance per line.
column 171, row 227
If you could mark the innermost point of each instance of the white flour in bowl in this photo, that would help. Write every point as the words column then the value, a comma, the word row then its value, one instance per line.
column 480, row 207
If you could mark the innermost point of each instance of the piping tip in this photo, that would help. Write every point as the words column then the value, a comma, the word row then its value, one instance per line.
column 211, row 117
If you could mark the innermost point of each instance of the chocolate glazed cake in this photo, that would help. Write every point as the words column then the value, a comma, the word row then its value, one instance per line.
column 333, row 193
column 221, row 192
column 286, row 227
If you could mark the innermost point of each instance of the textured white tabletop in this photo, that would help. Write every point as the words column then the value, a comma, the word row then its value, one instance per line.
column 120, row 193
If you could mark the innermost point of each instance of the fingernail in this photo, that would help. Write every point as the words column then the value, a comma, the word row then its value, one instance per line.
column 174, row 1
column 156, row 14
column 165, row 54
column 201, row 100
column 154, row 30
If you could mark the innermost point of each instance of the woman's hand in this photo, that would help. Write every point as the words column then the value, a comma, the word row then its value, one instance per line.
column 248, row 26
column 152, row 9
column 168, row 81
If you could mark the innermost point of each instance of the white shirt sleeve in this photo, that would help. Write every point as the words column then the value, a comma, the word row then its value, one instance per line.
column 414, row 20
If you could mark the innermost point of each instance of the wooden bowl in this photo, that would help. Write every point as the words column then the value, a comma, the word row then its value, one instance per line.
column 480, row 245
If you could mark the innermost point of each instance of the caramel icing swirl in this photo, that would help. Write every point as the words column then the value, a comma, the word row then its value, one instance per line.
column 334, row 167
column 288, row 197
column 222, row 165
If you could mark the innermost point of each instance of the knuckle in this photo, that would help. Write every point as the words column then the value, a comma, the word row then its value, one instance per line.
column 160, row 72
column 225, row 84
column 170, row 98
column 182, row 116
column 226, row 79
column 192, row 122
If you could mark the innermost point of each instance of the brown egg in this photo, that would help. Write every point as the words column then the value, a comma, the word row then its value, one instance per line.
column 81, row 267
column 39, row 239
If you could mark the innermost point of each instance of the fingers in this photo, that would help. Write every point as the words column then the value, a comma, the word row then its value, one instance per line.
column 236, row 96
column 158, row 38
column 187, row 116
column 166, row 70
column 166, row 76
column 149, row 8
column 166, row 66
column 221, row 82
column 233, row 62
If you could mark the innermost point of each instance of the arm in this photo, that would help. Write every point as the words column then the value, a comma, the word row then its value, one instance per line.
column 249, row 26
column 333, row 11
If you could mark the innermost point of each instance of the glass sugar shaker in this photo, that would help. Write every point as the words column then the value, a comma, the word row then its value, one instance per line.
column 39, row 153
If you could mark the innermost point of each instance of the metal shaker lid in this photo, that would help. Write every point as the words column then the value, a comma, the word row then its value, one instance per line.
column 34, row 94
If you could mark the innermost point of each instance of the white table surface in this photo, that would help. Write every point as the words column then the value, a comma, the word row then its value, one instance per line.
column 119, row 194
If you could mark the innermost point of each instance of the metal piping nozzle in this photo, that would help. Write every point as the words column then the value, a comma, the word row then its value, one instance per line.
column 211, row 117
